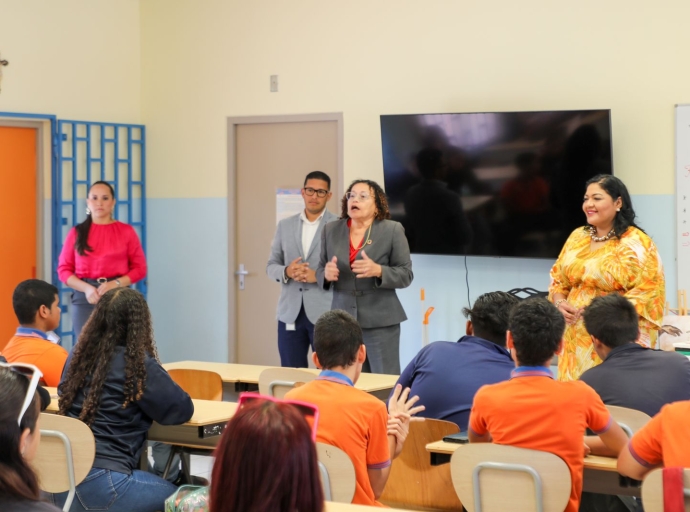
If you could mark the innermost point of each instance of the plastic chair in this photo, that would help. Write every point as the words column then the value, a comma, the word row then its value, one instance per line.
column 65, row 455
column 337, row 473
column 494, row 478
column 413, row 481
column 278, row 381
column 653, row 491
column 630, row 420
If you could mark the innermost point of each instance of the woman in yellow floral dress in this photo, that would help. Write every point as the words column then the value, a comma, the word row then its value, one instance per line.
column 608, row 255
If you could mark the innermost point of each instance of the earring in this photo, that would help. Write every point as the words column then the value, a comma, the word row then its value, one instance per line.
column 618, row 209
column 88, row 212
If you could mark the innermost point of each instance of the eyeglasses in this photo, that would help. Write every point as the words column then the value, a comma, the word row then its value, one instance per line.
column 34, row 375
column 311, row 191
column 308, row 410
column 363, row 196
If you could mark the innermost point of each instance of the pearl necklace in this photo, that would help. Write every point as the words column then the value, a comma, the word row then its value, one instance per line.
column 595, row 238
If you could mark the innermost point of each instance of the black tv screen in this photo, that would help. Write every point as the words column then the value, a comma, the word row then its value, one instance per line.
column 492, row 184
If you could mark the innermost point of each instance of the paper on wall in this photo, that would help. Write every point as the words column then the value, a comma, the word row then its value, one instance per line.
column 288, row 202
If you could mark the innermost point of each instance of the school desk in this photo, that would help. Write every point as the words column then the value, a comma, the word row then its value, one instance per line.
column 245, row 377
column 600, row 473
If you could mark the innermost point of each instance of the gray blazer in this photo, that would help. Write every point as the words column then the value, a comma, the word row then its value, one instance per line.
column 286, row 246
column 372, row 301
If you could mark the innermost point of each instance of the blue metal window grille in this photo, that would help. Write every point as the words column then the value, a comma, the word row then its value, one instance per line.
column 88, row 152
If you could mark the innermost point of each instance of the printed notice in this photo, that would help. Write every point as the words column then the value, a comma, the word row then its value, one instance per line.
column 288, row 202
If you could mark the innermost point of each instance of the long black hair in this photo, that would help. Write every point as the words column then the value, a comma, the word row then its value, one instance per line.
column 616, row 188
column 81, row 244
column 17, row 479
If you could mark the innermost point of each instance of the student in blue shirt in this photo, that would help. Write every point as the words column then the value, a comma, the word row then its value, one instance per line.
column 446, row 375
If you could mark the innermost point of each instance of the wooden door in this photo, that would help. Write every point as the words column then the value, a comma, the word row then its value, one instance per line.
column 18, row 218
column 269, row 156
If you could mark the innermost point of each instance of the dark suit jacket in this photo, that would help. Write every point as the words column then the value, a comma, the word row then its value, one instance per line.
column 372, row 301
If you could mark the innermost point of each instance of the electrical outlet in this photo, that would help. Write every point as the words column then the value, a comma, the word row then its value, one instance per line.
column 274, row 83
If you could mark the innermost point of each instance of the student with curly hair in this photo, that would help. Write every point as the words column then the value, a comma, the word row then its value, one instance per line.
column 114, row 383
column 365, row 257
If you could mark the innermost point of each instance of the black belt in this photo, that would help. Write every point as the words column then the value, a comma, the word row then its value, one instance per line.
column 99, row 281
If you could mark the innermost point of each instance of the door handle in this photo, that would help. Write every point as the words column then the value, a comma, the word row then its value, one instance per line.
column 241, row 273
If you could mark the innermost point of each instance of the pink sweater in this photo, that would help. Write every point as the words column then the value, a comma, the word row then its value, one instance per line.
column 116, row 252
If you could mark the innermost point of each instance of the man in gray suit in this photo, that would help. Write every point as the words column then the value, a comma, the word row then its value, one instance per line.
column 295, row 253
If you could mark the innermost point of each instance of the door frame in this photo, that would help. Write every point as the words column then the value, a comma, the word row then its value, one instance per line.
column 232, row 124
column 45, row 128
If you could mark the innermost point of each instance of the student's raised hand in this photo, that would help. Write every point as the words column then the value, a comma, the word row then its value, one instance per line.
column 331, row 271
column 400, row 407
column 398, row 428
column 366, row 267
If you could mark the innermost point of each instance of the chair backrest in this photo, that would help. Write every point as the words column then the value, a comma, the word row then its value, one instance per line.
column 278, row 381
column 630, row 420
column 337, row 473
column 413, row 481
column 65, row 454
column 509, row 478
column 199, row 384
column 653, row 491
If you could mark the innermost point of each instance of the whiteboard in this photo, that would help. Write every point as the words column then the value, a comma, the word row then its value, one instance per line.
column 683, row 196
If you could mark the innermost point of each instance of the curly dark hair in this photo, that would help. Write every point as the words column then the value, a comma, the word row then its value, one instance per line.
column 121, row 319
column 616, row 188
column 489, row 316
column 382, row 211
column 537, row 328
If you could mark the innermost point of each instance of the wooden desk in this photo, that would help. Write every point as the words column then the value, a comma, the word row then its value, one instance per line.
column 600, row 473
column 203, row 430
column 245, row 377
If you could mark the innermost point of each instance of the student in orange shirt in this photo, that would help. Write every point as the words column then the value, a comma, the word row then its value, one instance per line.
column 661, row 442
column 532, row 410
column 351, row 419
column 37, row 307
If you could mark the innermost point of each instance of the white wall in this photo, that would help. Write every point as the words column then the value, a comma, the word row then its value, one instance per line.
column 210, row 59
column 78, row 59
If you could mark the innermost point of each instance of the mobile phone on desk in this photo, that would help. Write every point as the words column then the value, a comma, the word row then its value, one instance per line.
column 460, row 437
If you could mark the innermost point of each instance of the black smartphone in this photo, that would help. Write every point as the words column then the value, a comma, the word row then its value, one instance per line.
column 460, row 437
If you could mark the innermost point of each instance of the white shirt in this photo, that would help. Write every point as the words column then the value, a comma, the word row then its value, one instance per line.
column 309, row 231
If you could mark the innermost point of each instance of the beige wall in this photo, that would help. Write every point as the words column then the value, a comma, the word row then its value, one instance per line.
column 78, row 59
column 208, row 59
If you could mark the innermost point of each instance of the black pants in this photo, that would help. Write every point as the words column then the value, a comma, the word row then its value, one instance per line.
column 80, row 310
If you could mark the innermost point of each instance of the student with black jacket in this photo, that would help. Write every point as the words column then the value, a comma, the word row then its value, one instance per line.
column 114, row 383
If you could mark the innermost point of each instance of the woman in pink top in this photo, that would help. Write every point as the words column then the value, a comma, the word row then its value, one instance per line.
column 98, row 255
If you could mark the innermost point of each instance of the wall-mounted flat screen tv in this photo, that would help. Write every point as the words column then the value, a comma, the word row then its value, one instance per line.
column 493, row 184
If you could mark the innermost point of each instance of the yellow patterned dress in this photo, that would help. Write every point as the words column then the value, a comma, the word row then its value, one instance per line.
column 630, row 266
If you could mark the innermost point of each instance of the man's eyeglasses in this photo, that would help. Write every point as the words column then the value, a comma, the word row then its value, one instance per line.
column 308, row 410
column 319, row 192
column 34, row 375
column 363, row 196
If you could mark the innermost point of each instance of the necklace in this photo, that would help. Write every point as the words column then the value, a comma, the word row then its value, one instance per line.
column 364, row 241
column 595, row 238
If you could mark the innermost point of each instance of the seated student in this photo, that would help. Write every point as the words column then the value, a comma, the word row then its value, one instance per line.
column 446, row 375
column 265, row 461
column 532, row 410
column 114, row 383
column 20, row 435
column 631, row 375
column 661, row 442
column 37, row 307
column 351, row 419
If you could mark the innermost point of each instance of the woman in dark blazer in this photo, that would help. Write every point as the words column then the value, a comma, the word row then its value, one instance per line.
column 364, row 258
